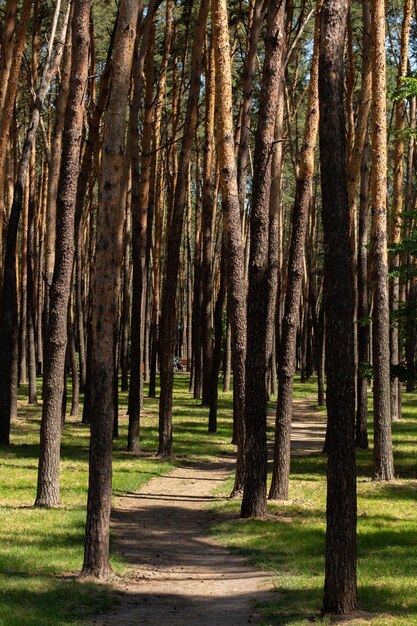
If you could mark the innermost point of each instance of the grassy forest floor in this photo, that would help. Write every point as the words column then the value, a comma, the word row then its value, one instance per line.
column 41, row 549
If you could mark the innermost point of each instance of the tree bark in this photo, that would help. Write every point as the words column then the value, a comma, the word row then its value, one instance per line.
column 340, row 576
column 363, row 307
column 56, row 338
column 168, row 324
column 286, row 368
column 105, row 296
column 209, row 206
column 139, row 207
column 254, row 494
column 232, row 223
column 397, row 203
column 383, row 457
column 8, row 301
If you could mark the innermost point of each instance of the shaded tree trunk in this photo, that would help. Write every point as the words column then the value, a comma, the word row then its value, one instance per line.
column 105, row 296
column 168, row 324
column 232, row 224
column 8, row 301
column 286, row 368
column 383, row 458
column 340, row 575
column 254, row 494
column 363, row 308
column 56, row 338
column 397, row 203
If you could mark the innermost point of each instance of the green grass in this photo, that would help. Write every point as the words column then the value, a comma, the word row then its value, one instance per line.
column 290, row 544
column 41, row 550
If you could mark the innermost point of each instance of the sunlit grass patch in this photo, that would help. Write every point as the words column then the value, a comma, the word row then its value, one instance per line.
column 41, row 550
column 290, row 544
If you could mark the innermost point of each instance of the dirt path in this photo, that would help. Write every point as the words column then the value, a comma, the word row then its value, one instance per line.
column 180, row 575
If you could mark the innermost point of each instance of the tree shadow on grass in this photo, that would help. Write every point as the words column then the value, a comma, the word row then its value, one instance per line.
column 50, row 602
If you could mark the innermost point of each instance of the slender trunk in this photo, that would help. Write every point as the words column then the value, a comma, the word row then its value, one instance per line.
column 232, row 224
column 254, row 494
column 139, row 206
column 227, row 354
column 209, row 206
column 286, row 368
column 383, row 457
column 56, row 338
column 126, row 312
column 23, row 290
column 30, row 286
column 8, row 304
column 397, row 203
column 169, row 294
column 72, row 358
column 217, row 352
column 363, row 308
column 53, row 177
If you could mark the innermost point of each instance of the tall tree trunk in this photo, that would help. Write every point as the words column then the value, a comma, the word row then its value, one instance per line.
column 209, row 205
column 254, row 494
column 340, row 576
column 397, row 203
column 258, row 15
column 168, row 323
column 361, row 153
column 56, row 338
column 105, row 296
column 363, row 307
column 218, row 335
column 286, row 368
column 139, row 202
column 53, row 175
column 9, row 83
column 383, row 458
column 232, row 223
column 155, row 213
column 8, row 300
column 30, row 284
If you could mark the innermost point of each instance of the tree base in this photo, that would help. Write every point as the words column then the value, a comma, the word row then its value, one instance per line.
column 93, row 575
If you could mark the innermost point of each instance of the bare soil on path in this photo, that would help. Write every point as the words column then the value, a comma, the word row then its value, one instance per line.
column 180, row 576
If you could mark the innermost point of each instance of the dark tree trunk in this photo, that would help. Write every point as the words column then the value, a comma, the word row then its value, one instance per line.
column 86, row 418
column 383, row 456
column 217, row 352
column 363, row 308
column 227, row 355
column 254, row 494
column 209, row 205
column 340, row 576
column 56, row 338
column 286, row 368
column 72, row 358
column 168, row 325
column 8, row 300
column 140, row 194
column 31, row 298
